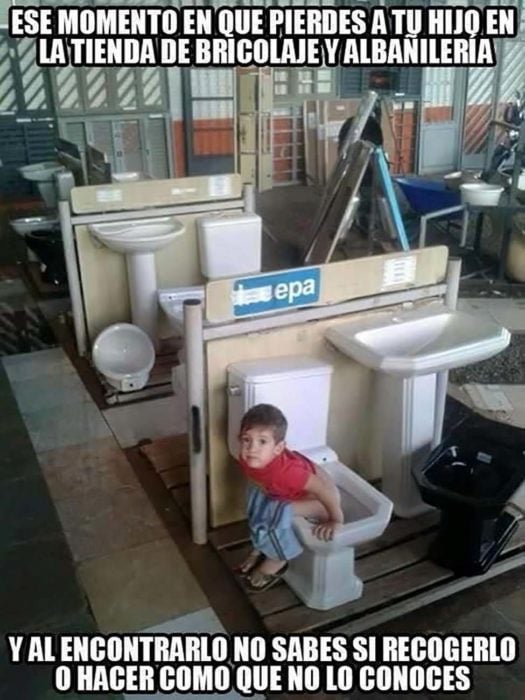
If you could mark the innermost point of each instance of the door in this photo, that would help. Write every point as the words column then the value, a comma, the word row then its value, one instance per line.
column 441, row 116
column 209, row 120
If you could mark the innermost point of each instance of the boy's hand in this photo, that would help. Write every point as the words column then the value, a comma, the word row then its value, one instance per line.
column 326, row 531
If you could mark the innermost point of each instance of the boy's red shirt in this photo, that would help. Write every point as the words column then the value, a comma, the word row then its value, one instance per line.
column 284, row 477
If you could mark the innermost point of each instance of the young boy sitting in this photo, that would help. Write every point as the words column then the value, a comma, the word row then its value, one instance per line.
column 283, row 484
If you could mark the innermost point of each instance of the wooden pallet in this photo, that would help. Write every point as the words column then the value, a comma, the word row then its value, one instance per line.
column 398, row 578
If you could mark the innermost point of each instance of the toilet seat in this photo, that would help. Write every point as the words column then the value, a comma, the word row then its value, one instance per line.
column 172, row 303
column 125, row 355
column 369, row 515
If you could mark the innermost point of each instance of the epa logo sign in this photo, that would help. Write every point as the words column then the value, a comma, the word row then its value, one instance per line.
column 274, row 292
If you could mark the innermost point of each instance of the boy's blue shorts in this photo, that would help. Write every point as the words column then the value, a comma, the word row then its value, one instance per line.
column 271, row 526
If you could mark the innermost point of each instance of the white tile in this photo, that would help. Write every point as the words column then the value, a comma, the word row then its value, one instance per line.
column 514, row 393
column 147, row 419
column 201, row 622
column 36, row 364
column 510, row 313
column 53, row 428
column 49, row 391
column 478, row 307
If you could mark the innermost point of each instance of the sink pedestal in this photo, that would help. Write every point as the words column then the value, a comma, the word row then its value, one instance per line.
column 142, row 285
column 404, row 416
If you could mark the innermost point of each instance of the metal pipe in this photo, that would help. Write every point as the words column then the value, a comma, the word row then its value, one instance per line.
column 464, row 227
column 451, row 301
column 73, row 278
column 249, row 199
column 434, row 215
column 194, row 348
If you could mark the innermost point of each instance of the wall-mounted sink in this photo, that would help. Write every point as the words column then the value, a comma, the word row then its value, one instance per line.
column 407, row 349
column 138, row 240
column 420, row 341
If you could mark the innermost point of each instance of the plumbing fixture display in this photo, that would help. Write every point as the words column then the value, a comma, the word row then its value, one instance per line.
column 138, row 240
column 42, row 174
column 323, row 576
column 125, row 355
column 471, row 477
column 407, row 349
column 229, row 245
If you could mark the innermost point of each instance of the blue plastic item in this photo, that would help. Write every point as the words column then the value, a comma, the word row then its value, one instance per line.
column 425, row 196
column 386, row 180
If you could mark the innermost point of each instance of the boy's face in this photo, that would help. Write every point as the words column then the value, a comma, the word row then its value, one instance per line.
column 258, row 446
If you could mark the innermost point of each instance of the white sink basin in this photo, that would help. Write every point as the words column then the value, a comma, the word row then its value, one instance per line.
column 40, row 172
column 142, row 236
column 420, row 341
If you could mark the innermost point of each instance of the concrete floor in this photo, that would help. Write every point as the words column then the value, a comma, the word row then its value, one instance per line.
column 82, row 548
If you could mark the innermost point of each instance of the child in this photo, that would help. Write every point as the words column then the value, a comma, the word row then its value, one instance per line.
column 284, row 484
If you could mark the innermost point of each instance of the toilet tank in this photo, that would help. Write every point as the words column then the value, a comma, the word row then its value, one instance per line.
column 229, row 244
column 298, row 385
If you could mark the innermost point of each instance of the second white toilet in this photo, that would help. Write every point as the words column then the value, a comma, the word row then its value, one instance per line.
column 323, row 576
column 229, row 246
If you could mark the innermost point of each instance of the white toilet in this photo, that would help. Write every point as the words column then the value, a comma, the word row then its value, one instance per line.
column 229, row 246
column 323, row 576
column 124, row 354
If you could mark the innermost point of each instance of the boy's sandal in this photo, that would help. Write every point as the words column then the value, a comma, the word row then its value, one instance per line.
column 262, row 582
column 248, row 565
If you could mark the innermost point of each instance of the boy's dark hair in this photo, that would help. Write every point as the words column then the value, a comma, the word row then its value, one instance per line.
column 264, row 415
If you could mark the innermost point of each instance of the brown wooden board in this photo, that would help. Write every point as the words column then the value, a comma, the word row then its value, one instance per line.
column 397, row 574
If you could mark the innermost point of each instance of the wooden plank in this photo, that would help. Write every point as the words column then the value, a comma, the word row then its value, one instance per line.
column 390, row 560
column 427, row 597
column 178, row 476
column 167, row 453
column 182, row 497
column 371, row 567
column 377, row 593
column 417, row 581
column 399, row 530
column 229, row 535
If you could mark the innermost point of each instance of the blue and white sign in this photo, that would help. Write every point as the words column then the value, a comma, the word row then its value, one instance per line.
column 273, row 292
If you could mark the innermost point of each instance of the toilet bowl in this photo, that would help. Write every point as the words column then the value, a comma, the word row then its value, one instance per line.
column 48, row 225
column 323, row 576
column 124, row 354
column 229, row 246
column 48, row 249
column 172, row 303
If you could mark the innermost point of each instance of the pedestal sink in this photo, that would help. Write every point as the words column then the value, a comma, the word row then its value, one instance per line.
column 139, row 240
column 43, row 174
column 407, row 349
